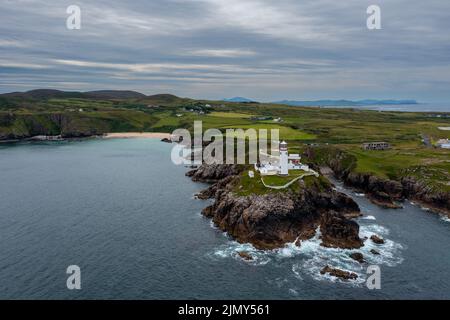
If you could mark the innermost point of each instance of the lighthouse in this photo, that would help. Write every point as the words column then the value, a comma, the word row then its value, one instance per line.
column 284, row 159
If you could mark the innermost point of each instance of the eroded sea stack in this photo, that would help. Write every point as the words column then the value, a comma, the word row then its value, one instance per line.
column 272, row 219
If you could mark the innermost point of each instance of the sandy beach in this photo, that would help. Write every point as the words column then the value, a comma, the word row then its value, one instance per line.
column 122, row 135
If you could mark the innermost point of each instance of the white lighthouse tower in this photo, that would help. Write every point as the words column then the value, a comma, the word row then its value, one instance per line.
column 284, row 159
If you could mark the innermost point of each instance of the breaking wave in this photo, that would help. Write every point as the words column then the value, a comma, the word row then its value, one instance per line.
column 310, row 258
column 368, row 218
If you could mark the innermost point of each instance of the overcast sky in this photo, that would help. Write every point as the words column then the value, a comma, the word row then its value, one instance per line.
column 261, row 49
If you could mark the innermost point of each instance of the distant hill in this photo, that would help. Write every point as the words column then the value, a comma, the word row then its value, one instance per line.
column 324, row 103
column 114, row 94
column 163, row 98
column 238, row 99
column 43, row 94
column 58, row 94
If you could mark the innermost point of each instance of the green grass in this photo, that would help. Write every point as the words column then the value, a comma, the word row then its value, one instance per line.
column 235, row 115
column 285, row 133
column 248, row 186
column 282, row 180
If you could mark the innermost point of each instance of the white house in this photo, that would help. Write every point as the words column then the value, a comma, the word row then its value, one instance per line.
column 443, row 143
column 280, row 165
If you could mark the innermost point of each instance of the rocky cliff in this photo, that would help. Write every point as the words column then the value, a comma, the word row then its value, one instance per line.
column 14, row 126
column 385, row 192
column 273, row 219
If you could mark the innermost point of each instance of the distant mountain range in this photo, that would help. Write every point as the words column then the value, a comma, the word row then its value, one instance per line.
column 324, row 103
column 239, row 99
column 168, row 98
column 45, row 94
column 52, row 94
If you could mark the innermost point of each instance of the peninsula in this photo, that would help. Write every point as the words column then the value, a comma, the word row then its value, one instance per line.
column 413, row 165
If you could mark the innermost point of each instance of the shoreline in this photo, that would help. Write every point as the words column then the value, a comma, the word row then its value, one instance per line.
column 112, row 135
column 133, row 135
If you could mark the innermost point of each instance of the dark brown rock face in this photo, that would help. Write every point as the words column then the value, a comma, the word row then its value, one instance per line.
column 271, row 220
column 339, row 273
column 376, row 239
column 417, row 191
column 64, row 124
column 221, row 184
column 245, row 255
column 358, row 256
column 213, row 173
column 339, row 232
column 384, row 192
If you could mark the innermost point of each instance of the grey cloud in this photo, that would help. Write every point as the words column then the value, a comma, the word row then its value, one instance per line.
column 263, row 49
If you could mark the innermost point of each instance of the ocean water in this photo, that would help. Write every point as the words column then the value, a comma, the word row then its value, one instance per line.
column 431, row 107
column 126, row 215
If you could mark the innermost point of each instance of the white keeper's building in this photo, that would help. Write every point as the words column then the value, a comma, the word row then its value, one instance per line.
column 280, row 165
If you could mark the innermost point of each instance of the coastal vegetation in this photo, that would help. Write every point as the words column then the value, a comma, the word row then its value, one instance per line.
column 326, row 131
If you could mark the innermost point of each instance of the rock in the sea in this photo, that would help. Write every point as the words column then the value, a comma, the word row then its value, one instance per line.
column 346, row 275
column 375, row 252
column 358, row 256
column 339, row 232
column 376, row 239
column 245, row 255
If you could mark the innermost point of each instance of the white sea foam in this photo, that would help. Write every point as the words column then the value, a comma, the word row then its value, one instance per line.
column 212, row 225
column 310, row 258
column 293, row 292
column 368, row 218
column 318, row 256
column 445, row 218
column 232, row 249
column 371, row 229
column 360, row 194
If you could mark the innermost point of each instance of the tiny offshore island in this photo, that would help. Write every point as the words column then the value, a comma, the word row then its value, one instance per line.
column 390, row 157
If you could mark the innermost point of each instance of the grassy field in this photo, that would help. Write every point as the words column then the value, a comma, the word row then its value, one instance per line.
column 248, row 186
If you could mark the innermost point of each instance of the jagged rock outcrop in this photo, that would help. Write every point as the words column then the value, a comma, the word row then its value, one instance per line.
column 376, row 239
column 346, row 275
column 214, row 172
column 339, row 232
column 383, row 192
column 386, row 193
column 417, row 191
column 357, row 256
column 245, row 255
column 273, row 219
column 17, row 127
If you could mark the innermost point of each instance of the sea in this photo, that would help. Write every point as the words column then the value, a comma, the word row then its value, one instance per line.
column 123, row 213
column 431, row 107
